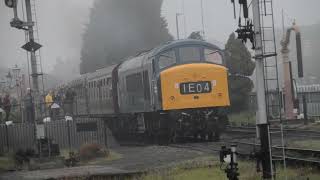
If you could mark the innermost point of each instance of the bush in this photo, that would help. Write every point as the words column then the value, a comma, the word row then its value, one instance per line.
column 90, row 151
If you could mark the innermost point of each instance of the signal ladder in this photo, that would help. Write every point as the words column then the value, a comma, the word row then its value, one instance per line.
column 37, row 54
column 271, row 73
column 37, row 39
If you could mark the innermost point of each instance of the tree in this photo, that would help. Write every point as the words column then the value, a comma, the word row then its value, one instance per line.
column 121, row 28
column 240, row 65
column 196, row 35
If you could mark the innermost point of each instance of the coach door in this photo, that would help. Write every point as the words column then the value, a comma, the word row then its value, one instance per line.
column 146, row 91
column 135, row 93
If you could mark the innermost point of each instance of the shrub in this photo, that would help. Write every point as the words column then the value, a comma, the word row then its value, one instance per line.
column 90, row 151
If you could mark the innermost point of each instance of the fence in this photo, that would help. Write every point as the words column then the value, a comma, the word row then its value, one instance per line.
column 67, row 134
column 17, row 136
column 311, row 93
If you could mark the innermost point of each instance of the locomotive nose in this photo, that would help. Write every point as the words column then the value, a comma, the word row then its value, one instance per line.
column 194, row 86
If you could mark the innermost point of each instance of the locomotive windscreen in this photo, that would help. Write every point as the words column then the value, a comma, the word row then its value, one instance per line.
column 189, row 54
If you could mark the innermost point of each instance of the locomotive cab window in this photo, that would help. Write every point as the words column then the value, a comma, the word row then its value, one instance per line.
column 189, row 54
column 213, row 56
column 167, row 59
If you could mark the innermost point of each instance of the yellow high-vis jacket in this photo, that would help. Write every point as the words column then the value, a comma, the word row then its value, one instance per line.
column 49, row 100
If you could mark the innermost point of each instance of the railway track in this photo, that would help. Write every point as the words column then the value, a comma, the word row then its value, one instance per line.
column 294, row 156
column 298, row 156
column 275, row 131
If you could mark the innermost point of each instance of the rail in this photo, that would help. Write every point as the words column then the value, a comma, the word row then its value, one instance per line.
column 299, row 132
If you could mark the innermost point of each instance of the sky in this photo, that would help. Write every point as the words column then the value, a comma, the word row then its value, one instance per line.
column 61, row 24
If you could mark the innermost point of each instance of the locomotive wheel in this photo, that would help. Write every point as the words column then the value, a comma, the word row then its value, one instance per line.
column 162, row 138
column 196, row 137
column 210, row 136
column 173, row 138
column 203, row 136
column 217, row 136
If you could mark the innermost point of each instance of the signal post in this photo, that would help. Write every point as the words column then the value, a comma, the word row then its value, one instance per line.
column 30, row 46
column 252, row 30
column 261, row 121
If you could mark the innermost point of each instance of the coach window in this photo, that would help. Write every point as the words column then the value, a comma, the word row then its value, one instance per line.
column 167, row 59
column 189, row 54
column 213, row 56
column 108, row 81
column 314, row 97
column 134, row 83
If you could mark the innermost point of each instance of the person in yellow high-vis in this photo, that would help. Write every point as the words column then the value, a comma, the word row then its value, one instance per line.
column 49, row 102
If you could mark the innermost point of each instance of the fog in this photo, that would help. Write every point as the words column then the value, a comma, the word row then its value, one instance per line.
column 120, row 29
column 61, row 25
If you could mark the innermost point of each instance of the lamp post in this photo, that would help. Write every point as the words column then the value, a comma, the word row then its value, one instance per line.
column 46, row 121
column 68, row 120
column 9, row 79
column 202, row 19
column 16, row 75
column 7, row 124
column 177, row 24
column 3, row 84
column 16, row 72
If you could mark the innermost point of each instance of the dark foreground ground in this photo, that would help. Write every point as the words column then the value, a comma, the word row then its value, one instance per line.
column 137, row 159
column 132, row 160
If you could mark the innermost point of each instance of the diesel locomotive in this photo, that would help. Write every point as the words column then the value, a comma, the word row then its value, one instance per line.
column 179, row 88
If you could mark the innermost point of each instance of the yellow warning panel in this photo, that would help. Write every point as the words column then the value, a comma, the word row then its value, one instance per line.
column 195, row 85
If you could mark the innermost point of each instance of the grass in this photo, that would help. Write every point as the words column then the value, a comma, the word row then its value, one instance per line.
column 200, row 174
column 312, row 126
column 6, row 163
column 308, row 144
column 213, row 172
column 111, row 156
column 242, row 118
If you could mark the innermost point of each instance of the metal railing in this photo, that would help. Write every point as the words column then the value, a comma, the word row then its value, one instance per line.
column 67, row 134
